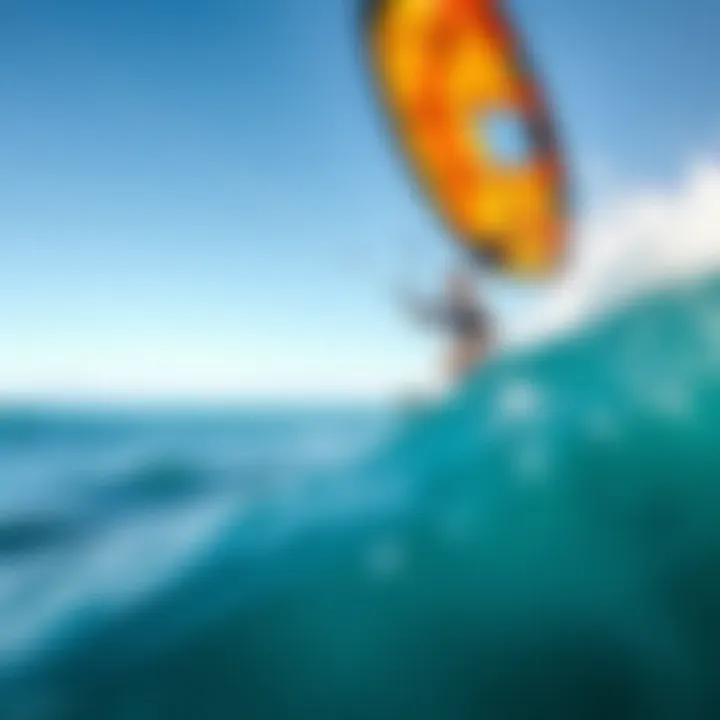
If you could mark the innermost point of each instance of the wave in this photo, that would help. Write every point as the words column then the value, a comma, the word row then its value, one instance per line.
column 543, row 544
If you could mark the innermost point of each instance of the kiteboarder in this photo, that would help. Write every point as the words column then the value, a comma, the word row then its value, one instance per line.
column 461, row 314
column 476, row 131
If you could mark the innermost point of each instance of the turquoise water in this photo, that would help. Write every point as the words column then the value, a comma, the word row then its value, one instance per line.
column 545, row 544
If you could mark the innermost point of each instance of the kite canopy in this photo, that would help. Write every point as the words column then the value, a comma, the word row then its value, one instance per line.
column 472, row 120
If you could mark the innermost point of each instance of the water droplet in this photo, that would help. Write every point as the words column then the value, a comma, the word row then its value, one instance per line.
column 519, row 400
column 387, row 558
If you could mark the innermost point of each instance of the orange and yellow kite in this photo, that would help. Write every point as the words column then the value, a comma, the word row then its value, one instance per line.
column 473, row 122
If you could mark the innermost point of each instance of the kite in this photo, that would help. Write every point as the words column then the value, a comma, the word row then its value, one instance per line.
column 474, row 125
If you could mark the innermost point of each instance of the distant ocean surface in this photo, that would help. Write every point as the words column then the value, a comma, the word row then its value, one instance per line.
column 543, row 544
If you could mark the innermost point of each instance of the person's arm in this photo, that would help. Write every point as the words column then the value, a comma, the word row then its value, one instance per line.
column 422, row 310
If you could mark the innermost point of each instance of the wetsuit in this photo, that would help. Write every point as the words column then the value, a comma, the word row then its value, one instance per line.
column 463, row 321
column 470, row 327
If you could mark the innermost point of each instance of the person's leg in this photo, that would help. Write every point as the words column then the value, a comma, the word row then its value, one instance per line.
column 459, row 359
column 465, row 355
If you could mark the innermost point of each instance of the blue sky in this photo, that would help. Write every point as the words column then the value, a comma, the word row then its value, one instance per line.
column 199, row 195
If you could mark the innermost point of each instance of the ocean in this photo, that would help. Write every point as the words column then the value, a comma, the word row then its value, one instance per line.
column 544, row 543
